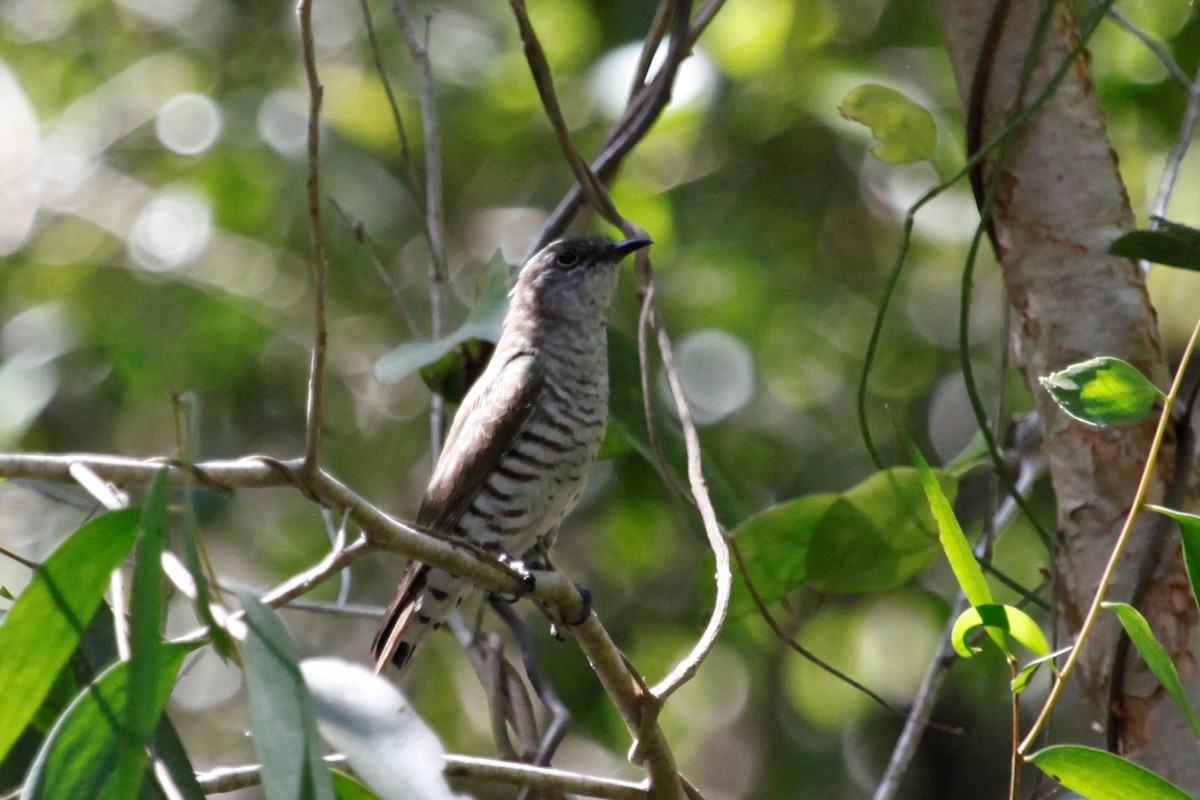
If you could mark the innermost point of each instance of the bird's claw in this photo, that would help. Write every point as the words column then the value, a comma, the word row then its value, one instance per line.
column 526, row 584
column 585, row 594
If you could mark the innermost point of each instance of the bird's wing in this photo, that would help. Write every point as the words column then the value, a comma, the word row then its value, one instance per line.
column 495, row 412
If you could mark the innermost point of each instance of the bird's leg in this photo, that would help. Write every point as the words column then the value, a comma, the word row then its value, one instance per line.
column 560, row 717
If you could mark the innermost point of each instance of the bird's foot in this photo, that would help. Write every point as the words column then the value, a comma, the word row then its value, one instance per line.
column 527, row 582
column 586, row 595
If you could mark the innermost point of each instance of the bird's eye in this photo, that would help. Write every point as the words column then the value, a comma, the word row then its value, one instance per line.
column 567, row 259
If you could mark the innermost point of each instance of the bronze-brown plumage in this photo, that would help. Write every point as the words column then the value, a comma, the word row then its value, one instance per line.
column 517, row 454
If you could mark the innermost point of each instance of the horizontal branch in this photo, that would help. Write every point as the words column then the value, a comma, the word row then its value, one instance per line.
column 230, row 779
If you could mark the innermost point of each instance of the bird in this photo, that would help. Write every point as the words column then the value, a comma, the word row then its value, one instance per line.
column 517, row 454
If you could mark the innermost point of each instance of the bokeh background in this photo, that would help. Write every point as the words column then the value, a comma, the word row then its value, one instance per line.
column 154, row 239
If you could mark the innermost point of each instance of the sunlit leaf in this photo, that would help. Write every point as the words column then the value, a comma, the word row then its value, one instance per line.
column 1103, row 391
column 876, row 535
column 1189, row 534
column 1021, row 681
column 347, row 788
column 905, row 130
column 1156, row 657
column 389, row 746
column 88, row 755
column 484, row 322
column 1100, row 775
column 1006, row 619
column 1172, row 245
column 45, row 622
column 954, row 542
column 281, row 710
column 774, row 546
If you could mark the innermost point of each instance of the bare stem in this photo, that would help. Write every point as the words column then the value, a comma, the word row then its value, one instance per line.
column 316, row 377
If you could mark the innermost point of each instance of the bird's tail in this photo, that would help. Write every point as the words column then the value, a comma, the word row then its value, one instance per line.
column 424, row 599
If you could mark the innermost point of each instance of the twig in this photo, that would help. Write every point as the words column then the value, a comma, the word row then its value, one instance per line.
column 230, row 779
column 687, row 668
column 1163, row 56
column 1187, row 131
column 640, row 115
column 1110, row 568
column 406, row 156
column 434, row 215
column 316, row 377
column 385, row 278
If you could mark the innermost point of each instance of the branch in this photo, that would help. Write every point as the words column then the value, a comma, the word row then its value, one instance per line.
column 229, row 779
column 434, row 215
column 316, row 377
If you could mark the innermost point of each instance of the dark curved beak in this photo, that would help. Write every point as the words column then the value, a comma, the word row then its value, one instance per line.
column 621, row 249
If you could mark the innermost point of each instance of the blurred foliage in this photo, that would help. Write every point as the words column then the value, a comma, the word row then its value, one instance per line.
column 154, row 238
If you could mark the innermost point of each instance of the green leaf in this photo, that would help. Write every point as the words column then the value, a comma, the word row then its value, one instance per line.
column 1022, row 679
column 876, row 535
column 905, row 130
column 1156, row 657
column 774, row 546
column 148, row 611
column 483, row 322
column 281, row 710
column 85, row 755
column 1189, row 533
column 1006, row 619
column 954, row 542
column 349, row 789
column 45, row 622
column 1172, row 245
column 1103, row 391
column 1100, row 775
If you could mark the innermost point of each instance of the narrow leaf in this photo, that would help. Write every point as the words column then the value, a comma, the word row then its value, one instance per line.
column 367, row 718
column 1007, row 619
column 281, row 710
column 906, row 130
column 1100, row 775
column 1173, row 246
column 1156, row 657
column 80, row 758
column 148, row 611
column 45, row 623
column 954, row 541
column 1189, row 534
column 1103, row 391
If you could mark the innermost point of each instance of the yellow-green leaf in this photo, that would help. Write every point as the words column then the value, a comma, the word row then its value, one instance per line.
column 905, row 130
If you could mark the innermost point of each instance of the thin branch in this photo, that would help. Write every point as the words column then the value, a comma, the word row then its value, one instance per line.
column 1187, row 132
column 360, row 236
column 640, row 115
column 688, row 667
column 230, row 779
column 316, row 377
column 1154, row 47
column 434, row 214
column 406, row 156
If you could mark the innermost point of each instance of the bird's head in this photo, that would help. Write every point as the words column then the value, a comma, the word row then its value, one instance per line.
column 572, row 278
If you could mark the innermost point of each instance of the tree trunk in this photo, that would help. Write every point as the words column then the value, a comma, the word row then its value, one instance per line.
column 1059, row 204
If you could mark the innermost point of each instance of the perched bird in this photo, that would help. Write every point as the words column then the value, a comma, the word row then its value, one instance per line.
column 519, row 449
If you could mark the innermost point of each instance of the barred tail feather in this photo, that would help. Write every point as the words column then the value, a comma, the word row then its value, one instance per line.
column 423, row 600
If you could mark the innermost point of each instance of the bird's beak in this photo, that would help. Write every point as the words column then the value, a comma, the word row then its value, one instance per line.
column 621, row 249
